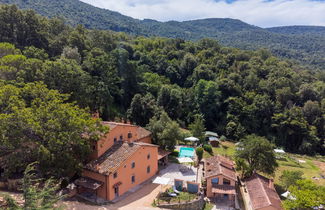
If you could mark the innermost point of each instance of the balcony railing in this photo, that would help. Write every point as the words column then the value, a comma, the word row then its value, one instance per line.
column 219, row 185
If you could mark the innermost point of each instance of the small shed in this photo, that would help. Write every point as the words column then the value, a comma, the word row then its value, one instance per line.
column 210, row 134
column 280, row 151
column 214, row 141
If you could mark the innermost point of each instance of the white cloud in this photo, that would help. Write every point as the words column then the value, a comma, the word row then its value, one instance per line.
column 257, row 12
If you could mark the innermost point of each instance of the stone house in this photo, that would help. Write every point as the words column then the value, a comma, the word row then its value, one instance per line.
column 220, row 178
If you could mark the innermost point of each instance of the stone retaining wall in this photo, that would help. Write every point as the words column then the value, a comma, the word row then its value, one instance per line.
column 193, row 205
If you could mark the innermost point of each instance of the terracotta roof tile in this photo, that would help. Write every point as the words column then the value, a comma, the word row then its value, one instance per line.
column 112, row 125
column 220, row 165
column 262, row 193
column 162, row 153
column 142, row 133
column 115, row 156
column 224, row 189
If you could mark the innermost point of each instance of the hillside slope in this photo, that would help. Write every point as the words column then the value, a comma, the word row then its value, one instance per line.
column 304, row 44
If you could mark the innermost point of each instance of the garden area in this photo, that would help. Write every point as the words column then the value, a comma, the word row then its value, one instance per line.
column 169, row 196
column 225, row 148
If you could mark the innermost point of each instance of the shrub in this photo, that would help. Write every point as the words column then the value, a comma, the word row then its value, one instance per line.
column 223, row 138
column 208, row 148
column 175, row 153
column 289, row 178
column 199, row 153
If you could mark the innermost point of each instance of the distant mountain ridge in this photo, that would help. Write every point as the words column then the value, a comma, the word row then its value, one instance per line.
column 320, row 30
column 305, row 44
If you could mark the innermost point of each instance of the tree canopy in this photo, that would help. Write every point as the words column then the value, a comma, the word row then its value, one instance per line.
column 37, row 194
column 306, row 195
column 52, row 76
column 289, row 178
column 37, row 124
column 165, row 132
column 258, row 155
column 303, row 44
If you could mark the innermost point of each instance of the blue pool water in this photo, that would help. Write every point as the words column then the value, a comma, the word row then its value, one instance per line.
column 186, row 152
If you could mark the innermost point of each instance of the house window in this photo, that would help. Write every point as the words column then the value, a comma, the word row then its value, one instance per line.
column 115, row 175
column 132, row 179
column 148, row 156
column 215, row 181
column 148, row 169
column 121, row 137
column 115, row 139
column 94, row 147
column 133, row 165
column 129, row 135
column 226, row 182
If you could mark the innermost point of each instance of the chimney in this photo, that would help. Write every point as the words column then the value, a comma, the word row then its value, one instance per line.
column 271, row 184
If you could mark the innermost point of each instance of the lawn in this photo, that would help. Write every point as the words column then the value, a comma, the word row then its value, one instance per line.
column 309, row 168
column 225, row 148
column 288, row 162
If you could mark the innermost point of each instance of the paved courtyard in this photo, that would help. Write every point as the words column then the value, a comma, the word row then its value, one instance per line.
column 173, row 171
column 140, row 198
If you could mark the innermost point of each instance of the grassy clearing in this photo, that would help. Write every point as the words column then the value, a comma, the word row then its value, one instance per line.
column 309, row 168
column 288, row 162
column 225, row 148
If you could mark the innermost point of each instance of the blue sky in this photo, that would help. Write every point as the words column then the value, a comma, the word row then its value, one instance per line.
column 263, row 13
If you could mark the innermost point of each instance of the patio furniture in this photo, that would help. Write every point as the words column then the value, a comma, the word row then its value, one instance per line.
column 185, row 160
column 192, row 139
column 183, row 168
column 172, row 194
column 175, row 190
column 161, row 181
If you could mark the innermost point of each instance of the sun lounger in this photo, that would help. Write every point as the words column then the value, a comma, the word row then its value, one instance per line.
column 175, row 190
column 172, row 194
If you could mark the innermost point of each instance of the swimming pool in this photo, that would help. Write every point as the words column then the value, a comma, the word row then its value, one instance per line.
column 186, row 152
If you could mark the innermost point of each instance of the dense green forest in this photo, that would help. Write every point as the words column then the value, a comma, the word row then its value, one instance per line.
column 303, row 44
column 52, row 76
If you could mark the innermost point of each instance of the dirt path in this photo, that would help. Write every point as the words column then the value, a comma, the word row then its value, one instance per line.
column 320, row 165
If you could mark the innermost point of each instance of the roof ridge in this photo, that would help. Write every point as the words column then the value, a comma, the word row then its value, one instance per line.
column 267, row 197
column 144, row 144
column 119, row 123
column 121, row 163
column 108, row 155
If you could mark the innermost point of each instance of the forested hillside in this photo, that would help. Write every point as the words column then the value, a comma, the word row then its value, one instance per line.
column 303, row 44
column 50, row 72
column 298, row 30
